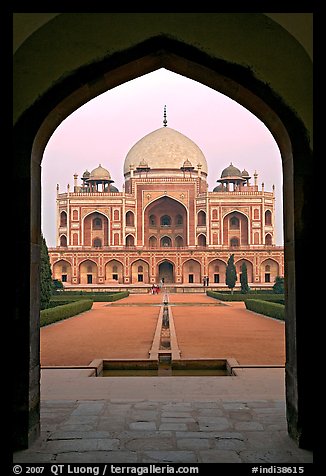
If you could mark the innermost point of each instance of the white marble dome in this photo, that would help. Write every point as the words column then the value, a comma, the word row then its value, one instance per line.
column 165, row 148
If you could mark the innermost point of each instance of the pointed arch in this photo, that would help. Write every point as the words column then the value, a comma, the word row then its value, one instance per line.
column 236, row 228
column 95, row 224
column 269, row 269
column 191, row 271
column 45, row 96
column 88, row 271
column 62, row 269
column 114, row 271
column 139, row 272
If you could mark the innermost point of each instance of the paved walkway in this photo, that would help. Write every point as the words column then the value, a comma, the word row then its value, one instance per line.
column 234, row 419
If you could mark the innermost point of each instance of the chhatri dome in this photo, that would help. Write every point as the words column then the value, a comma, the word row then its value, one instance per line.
column 100, row 173
column 165, row 148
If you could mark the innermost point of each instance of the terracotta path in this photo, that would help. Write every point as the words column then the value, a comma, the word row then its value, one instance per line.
column 125, row 329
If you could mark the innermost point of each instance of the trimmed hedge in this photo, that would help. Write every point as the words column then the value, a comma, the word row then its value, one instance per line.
column 243, row 297
column 57, row 302
column 95, row 297
column 106, row 297
column 266, row 308
column 58, row 313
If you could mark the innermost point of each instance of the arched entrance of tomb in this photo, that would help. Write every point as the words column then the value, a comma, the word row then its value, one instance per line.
column 235, row 229
column 113, row 272
column 140, row 272
column 272, row 80
column 250, row 269
column 95, row 230
column 269, row 269
column 62, row 270
column 166, row 272
column 216, row 271
column 191, row 272
column 88, row 272
column 165, row 223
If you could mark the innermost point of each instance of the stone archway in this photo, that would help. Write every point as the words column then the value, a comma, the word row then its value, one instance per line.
column 166, row 272
column 273, row 85
column 62, row 270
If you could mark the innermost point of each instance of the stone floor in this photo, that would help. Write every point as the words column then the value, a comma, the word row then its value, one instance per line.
column 224, row 425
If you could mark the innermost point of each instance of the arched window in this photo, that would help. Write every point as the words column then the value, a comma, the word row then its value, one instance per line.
column 75, row 215
column 214, row 214
column 234, row 242
column 63, row 240
column 201, row 240
column 152, row 242
column 140, row 269
column 129, row 219
column 75, row 239
column 97, row 224
column 130, row 240
column 179, row 220
column 201, row 218
column 179, row 241
column 268, row 218
column 116, row 215
column 165, row 220
column 166, row 242
column 268, row 239
column 152, row 220
column 63, row 219
column 234, row 223
column 97, row 243
column 256, row 214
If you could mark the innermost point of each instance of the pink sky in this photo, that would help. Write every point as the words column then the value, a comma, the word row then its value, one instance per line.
column 104, row 130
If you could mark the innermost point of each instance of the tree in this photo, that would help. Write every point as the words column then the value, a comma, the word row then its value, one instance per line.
column 231, row 273
column 46, row 284
column 244, row 279
column 278, row 287
column 57, row 285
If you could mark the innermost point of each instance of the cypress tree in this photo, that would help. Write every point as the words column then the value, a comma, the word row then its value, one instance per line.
column 244, row 279
column 46, row 284
column 231, row 273
column 278, row 287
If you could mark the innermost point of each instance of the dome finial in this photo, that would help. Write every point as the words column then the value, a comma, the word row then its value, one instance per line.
column 165, row 122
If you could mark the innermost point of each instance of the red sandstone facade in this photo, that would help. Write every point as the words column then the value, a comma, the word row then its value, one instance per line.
column 165, row 224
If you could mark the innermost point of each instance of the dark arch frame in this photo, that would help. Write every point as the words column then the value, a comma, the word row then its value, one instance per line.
column 34, row 128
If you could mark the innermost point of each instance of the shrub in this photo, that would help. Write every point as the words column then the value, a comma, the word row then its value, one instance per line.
column 243, row 297
column 266, row 308
column 96, row 297
column 109, row 297
column 278, row 287
column 58, row 313
column 227, row 296
column 57, row 286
